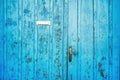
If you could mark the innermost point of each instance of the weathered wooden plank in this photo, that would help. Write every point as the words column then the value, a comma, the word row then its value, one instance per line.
column 65, row 40
column 20, row 24
column 50, row 40
column 57, row 39
column 79, row 38
column 116, row 40
column 72, row 39
column 110, row 40
column 11, row 40
column 102, row 40
column 4, row 42
column 42, row 56
column 86, row 29
column 36, row 29
column 95, row 35
column 27, row 39
column 1, row 40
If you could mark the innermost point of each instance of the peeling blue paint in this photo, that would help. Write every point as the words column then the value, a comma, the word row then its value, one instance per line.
column 90, row 28
column 26, row 11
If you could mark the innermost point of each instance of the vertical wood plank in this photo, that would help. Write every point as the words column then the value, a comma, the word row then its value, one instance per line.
column 95, row 33
column 42, row 56
column 20, row 24
column 50, row 39
column 1, row 39
column 28, row 40
column 36, row 29
column 72, row 39
column 57, row 39
column 4, row 42
column 79, row 38
column 116, row 39
column 102, row 40
column 6, row 76
column 86, row 29
column 65, row 40
column 110, row 41
column 12, row 40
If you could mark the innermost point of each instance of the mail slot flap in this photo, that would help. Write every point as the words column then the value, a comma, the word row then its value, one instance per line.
column 47, row 23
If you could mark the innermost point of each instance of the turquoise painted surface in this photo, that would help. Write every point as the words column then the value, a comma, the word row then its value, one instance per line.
column 31, row 52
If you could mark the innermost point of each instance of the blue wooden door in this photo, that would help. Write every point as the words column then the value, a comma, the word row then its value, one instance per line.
column 81, row 43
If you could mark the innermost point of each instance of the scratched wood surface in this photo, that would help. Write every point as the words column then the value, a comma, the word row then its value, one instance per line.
column 39, row 52
column 42, row 55
column 11, row 40
column 1, row 41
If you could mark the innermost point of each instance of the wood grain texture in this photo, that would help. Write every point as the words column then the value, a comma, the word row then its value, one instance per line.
column 102, row 40
column 86, row 40
column 57, row 39
column 1, row 40
column 42, row 55
column 41, row 52
column 27, row 44
column 72, row 39
column 116, row 39
column 12, row 42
